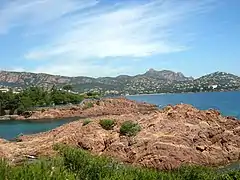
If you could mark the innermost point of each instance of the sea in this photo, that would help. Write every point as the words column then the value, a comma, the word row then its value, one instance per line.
column 228, row 103
column 10, row 129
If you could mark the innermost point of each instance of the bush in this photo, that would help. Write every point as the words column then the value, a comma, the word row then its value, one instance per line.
column 75, row 163
column 88, row 105
column 41, row 169
column 86, row 122
column 129, row 128
column 107, row 124
column 87, row 166
column 20, row 110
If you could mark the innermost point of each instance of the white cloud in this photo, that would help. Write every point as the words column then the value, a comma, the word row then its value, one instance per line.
column 83, row 69
column 14, row 69
column 135, row 31
column 38, row 12
column 85, row 31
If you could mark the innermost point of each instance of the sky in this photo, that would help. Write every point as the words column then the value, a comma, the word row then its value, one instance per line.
column 112, row 37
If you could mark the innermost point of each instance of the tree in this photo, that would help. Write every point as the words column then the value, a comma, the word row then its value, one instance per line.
column 68, row 87
column 26, row 104
column 35, row 97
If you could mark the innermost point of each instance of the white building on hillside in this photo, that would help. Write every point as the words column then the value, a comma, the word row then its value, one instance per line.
column 213, row 86
column 4, row 90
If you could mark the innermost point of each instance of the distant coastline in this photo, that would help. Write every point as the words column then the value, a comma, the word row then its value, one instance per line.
column 152, row 94
column 151, row 82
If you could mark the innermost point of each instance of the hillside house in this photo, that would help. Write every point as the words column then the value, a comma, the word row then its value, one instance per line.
column 4, row 90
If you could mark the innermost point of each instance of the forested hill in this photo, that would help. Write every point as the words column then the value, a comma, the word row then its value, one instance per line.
column 152, row 81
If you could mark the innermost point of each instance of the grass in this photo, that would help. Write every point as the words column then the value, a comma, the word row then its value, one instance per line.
column 129, row 128
column 41, row 170
column 78, row 164
column 107, row 124
column 86, row 122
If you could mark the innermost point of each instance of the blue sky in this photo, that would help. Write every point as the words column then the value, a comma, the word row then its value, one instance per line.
column 112, row 37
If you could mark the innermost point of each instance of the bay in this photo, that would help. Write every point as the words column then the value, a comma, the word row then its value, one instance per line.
column 10, row 129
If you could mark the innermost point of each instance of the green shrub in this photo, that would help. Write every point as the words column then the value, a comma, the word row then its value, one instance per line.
column 4, row 168
column 195, row 172
column 86, row 122
column 107, row 124
column 87, row 166
column 88, row 105
column 41, row 169
column 129, row 128
column 79, row 164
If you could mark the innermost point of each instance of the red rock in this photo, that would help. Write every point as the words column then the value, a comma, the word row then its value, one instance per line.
column 185, row 136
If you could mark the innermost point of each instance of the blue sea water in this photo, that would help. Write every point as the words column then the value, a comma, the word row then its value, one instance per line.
column 228, row 103
column 10, row 129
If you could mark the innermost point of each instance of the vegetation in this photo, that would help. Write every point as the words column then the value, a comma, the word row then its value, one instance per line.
column 88, row 105
column 129, row 128
column 74, row 164
column 35, row 97
column 107, row 124
column 93, row 94
column 68, row 87
column 86, row 122
column 151, row 82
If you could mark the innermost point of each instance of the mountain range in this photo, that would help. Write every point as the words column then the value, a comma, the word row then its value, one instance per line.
column 152, row 81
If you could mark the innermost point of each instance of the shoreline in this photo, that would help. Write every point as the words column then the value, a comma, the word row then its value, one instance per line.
column 167, row 133
column 8, row 117
column 51, row 112
column 78, row 111
column 152, row 94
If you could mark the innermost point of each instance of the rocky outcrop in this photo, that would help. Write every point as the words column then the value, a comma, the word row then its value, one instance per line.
column 170, row 137
column 96, row 108
column 166, row 74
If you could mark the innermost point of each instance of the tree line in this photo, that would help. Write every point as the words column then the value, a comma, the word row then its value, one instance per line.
column 35, row 97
